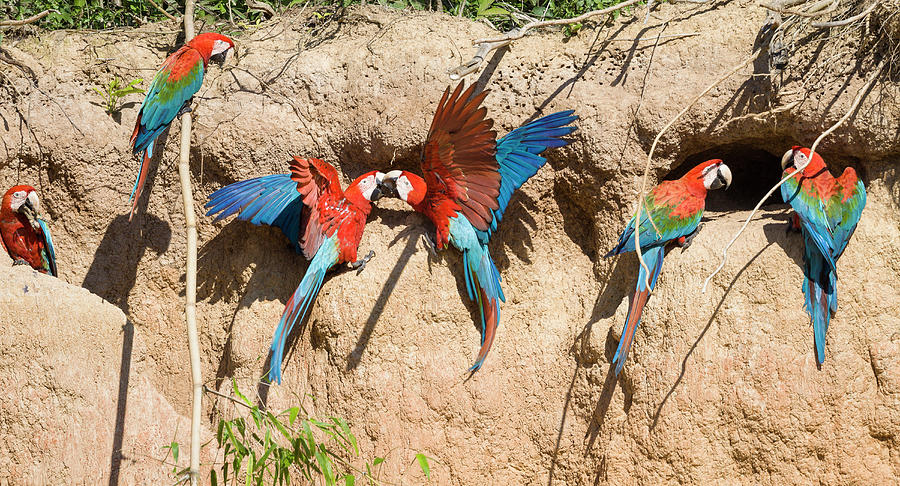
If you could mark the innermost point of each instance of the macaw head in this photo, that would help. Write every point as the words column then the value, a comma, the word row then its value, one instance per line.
column 366, row 186
column 713, row 173
column 212, row 45
column 798, row 157
column 405, row 185
column 22, row 199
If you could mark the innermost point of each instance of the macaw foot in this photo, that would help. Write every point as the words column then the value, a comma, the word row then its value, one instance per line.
column 429, row 244
column 186, row 107
column 19, row 261
column 360, row 265
column 685, row 241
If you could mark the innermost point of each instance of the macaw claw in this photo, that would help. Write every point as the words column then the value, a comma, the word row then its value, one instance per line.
column 685, row 241
column 186, row 107
column 360, row 265
column 19, row 261
column 429, row 244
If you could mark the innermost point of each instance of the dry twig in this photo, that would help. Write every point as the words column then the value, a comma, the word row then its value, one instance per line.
column 812, row 150
column 29, row 20
column 848, row 21
column 260, row 7
column 190, row 293
column 485, row 46
column 167, row 14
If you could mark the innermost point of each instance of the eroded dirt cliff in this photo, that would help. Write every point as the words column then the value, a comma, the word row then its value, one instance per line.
column 720, row 386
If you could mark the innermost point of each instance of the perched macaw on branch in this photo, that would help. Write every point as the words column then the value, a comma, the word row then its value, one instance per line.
column 827, row 212
column 675, row 208
column 25, row 236
column 170, row 95
column 469, row 177
column 322, row 221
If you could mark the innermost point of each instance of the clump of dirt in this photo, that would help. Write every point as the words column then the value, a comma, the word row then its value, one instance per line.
column 719, row 385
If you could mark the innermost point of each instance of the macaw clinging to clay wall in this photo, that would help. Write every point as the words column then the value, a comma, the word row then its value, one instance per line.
column 827, row 212
column 675, row 208
column 170, row 95
column 25, row 235
column 469, row 177
column 323, row 222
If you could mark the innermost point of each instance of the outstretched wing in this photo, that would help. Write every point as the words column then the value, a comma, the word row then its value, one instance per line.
column 49, row 252
column 804, row 197
column 176, row 82
column 320, row 186
column 675, row 213
column 271, row 200
column 518, row 154
column 844, row 209
column 459, row 161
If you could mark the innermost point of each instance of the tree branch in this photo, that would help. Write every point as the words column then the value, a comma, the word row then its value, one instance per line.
column 485, row 46
column 260, row 7
column 29, row 20
column 190, row 293
column 167, row 14
column 841, row 23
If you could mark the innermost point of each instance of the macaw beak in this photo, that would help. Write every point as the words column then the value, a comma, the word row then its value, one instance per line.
column 388, row 182
column 30, row 209
column 787, row 159
column 724, row 176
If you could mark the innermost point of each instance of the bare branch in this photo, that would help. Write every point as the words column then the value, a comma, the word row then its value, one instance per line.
column 167, row 14
column 260, row 7
column 29, row 20
column 485, row 46
column 812, row 150
column 818, row 9
column 841, row 23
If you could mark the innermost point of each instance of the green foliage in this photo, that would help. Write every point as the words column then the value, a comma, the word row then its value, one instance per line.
column 261, row 448
column 104, row 14
column 115, row 91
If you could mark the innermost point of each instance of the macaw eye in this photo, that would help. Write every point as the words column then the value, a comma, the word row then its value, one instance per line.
column 19, row 194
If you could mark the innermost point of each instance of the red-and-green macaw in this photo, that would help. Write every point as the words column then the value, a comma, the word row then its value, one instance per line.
column 322, row 221
column 827, row 212
column 25, row 236
column 675, row 208
column 469, row 178
column 170, row 95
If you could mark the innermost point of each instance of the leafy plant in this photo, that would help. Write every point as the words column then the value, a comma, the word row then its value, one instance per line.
column 115, row 91
column 264, row 448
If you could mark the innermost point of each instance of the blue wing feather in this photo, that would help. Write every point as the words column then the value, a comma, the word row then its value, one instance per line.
column 518, row 155
column 269, row 200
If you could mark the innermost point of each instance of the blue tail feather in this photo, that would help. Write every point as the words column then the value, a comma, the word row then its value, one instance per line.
column 820, row 293
column 653, row 257
column 297, row 309
column 485, row 285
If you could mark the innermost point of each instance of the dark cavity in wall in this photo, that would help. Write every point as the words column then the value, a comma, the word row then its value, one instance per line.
column 754, row 171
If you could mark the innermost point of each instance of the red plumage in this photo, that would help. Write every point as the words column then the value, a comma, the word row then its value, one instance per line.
column 21, row 239
column 329, row 209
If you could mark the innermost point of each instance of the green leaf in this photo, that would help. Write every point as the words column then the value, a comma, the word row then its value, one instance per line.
column 213, row 479
column 493, row 11
column 423, row 464
column 292, row 415
column 239, row 394
column 325, row 467
column 349, row 480
column 174, row 448
column 219, row 432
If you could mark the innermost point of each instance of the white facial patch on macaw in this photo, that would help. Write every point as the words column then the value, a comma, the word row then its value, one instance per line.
column 800, row 159
column 220, row 46
column 367, row 186
column 404, row 187
column 18, row 199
